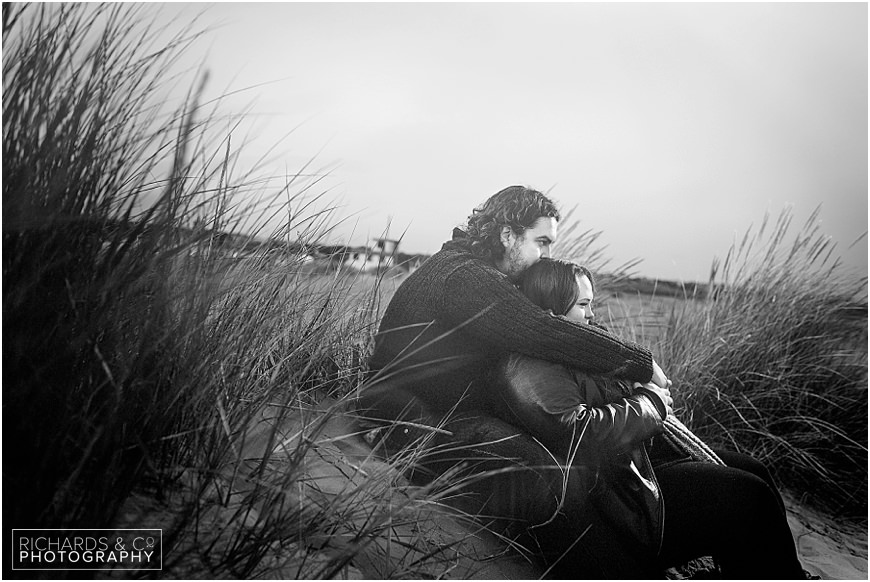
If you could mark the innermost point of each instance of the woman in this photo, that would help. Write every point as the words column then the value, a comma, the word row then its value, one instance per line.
column 657, row 486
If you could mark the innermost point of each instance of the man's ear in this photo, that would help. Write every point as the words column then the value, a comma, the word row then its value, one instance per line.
column 506, row 233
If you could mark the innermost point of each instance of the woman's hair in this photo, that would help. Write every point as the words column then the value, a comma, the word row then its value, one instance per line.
column 552, row 284
column 515, row 206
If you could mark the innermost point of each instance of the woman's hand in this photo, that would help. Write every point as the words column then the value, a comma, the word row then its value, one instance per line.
column 659, row 378
column 664, row 394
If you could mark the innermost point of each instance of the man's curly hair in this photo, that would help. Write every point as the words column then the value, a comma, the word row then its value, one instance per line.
column 515, row 206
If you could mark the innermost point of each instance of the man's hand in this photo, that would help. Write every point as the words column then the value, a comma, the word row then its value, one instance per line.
column 659, row 378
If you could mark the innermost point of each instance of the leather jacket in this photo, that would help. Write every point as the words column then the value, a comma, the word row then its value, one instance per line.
column 578, row 418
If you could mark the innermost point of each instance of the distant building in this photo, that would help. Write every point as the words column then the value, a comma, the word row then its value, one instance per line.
column 410, row 263
column 387, row 247
column 381, row 256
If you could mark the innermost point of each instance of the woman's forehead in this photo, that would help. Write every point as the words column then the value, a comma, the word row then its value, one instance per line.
column 585, row 285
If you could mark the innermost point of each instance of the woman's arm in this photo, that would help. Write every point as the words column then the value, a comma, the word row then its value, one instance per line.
column 616, row 426
column 559, row 405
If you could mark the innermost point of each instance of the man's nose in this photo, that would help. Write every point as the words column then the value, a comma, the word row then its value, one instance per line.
column 545, row 253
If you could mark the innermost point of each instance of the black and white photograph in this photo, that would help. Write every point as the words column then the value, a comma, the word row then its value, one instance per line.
column 435, row 290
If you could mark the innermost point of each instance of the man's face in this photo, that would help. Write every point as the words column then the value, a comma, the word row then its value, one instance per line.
column 521, row 251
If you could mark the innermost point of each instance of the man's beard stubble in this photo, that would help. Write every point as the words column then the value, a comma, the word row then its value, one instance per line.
column 514, row 262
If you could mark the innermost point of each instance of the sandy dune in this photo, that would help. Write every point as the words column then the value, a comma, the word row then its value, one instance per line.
column 420, row 538
column 832, row 551
column 829, row 550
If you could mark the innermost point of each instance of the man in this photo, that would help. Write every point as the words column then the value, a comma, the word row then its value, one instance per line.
column 443, row 331
column 460, row 311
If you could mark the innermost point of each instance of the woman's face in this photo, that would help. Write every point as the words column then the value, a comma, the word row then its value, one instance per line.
column 582, row 310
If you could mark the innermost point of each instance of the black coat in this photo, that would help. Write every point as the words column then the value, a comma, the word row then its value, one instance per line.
column 576, row 416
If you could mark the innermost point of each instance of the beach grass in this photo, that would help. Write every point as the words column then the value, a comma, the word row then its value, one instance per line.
column 771, row 359
column 162, row 368
column 159, row 373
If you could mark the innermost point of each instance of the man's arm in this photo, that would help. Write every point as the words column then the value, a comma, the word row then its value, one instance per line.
column 492, row 310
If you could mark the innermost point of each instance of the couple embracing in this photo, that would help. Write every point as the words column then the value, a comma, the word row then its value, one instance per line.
column 489, row 355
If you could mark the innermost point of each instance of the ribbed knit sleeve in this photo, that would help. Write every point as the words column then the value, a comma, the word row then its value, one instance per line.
column 491, row 309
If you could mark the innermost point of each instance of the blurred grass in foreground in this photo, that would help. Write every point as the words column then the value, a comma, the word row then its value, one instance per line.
column 137, row 360
column 154, row 376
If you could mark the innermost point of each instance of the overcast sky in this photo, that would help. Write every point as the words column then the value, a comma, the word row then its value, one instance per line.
column 672, row 127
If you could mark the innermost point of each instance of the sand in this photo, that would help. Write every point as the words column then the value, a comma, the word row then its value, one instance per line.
column 827, row 549
column 424, row 539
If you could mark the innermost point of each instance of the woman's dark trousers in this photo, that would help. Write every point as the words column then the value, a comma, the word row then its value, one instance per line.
column 518, row 488
column 733, row 513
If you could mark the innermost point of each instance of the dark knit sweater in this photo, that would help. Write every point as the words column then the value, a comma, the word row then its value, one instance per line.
column 452, row 319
